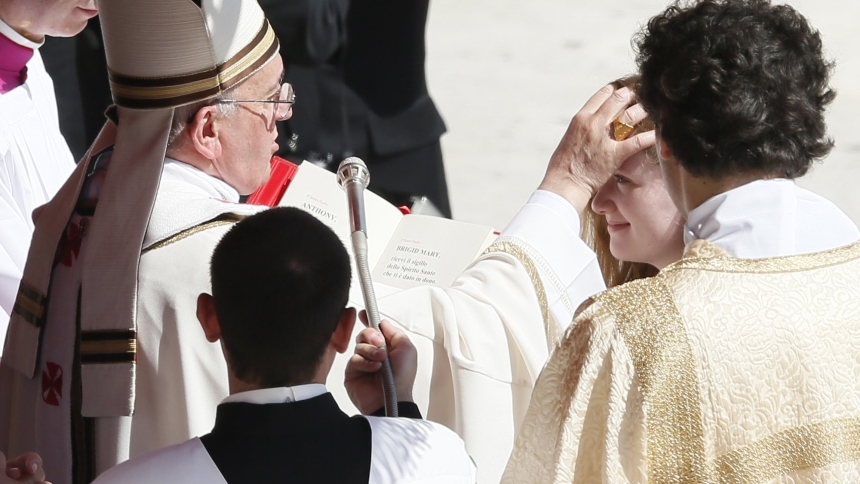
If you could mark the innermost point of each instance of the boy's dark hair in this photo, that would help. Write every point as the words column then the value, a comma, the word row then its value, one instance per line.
column 280, row 282
column 736, row 86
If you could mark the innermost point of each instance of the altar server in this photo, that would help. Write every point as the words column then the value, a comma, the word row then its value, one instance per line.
column 34, row 157
column 738, row 363
column 280, row 283
column 110, row 363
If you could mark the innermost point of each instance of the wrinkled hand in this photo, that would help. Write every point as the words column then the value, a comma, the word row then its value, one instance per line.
column 363, row 380
column 27, row 468
column 587, row 155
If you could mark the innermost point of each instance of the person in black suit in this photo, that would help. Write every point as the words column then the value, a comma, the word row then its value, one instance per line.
column 79, row 69
column 358, row 70
column 280, row 281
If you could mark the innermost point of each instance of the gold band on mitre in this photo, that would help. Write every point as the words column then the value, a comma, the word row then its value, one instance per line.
column 161, row 92
column 621, row 130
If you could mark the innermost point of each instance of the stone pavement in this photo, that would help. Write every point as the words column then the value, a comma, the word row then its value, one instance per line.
column 508, row 76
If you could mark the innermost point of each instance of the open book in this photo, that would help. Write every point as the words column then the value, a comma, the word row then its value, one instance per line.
column 403, row 250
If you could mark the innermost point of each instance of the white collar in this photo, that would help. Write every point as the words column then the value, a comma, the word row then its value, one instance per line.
column 770, row 218
column 278, row 395
column 175, row 170
column 19, row 39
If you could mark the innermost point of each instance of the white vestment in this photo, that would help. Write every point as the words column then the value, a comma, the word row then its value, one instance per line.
column 34, row 163
column 481, row 342
column 403, row 451
column 180, row 377
column 737, row 363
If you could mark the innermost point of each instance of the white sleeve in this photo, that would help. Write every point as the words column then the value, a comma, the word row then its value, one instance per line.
column 406, row 450
column 482, row 342
column 548, row 227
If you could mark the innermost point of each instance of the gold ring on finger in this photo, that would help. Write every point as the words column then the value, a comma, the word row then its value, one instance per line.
column 621, row 130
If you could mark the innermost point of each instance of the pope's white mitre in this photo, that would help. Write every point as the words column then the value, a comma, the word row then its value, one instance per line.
column 163, row 53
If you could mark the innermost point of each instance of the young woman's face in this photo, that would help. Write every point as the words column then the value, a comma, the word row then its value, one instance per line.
column 644, row 225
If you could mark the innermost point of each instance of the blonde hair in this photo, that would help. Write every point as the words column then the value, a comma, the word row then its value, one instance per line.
column 594, row 229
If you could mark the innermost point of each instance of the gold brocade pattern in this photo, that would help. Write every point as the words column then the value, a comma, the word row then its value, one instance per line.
column 716, row 370
column 551, row 329
column 804, row 447
column 705, row 256
column 656, row 337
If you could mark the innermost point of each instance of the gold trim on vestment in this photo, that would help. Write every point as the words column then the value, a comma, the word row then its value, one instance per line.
column 231, row 219
column 804, row 447
column 30, row 305
column 816, row 260
column 656, row 337
column 551, row 329
column 23, row 302
column 31, row 293
column 108, row 347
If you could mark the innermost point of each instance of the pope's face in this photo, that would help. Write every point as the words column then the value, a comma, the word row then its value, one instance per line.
column 644, row 225
column 57, row 18
column 249, row 133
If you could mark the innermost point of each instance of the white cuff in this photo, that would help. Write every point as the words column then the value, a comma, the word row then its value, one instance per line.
column 549, row 225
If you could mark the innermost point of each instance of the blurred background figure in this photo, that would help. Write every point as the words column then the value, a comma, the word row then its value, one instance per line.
column 358, row 71
column 83, row 92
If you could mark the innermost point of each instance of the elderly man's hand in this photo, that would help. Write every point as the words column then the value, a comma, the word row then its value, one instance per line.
column 363, row 381
column 27, row 468
column 588, row 155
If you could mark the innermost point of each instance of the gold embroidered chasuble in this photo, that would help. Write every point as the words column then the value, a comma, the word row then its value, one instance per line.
column 716, row 370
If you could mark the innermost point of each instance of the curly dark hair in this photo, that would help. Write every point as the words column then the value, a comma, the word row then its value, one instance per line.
column 736, row 86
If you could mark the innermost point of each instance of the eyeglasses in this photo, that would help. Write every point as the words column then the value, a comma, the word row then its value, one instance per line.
column 283, row 100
